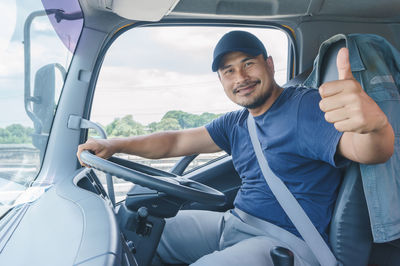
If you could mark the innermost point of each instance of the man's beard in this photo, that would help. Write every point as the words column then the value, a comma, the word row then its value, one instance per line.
column 258, row 101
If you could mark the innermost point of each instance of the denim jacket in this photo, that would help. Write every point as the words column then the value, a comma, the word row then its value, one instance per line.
column 375, row 63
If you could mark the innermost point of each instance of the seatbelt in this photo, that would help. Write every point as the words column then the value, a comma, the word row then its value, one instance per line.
column 290, row 205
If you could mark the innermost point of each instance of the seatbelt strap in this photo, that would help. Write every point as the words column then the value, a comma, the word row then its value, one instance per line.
column 290, row 205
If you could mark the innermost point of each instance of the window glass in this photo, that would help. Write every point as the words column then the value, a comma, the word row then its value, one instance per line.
column 34, row 58
column 159, row 78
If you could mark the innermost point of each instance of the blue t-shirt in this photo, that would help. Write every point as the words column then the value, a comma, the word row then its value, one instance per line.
column 300, row 147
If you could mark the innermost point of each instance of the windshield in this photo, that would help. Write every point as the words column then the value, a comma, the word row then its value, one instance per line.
column 148, row 83
column 36, row 48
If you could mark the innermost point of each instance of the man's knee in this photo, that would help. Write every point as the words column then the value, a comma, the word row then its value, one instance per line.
column 189, row 236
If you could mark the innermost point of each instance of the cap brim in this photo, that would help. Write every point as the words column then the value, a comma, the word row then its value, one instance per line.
column 217, row 60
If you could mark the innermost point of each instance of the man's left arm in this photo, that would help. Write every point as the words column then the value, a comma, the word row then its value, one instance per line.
column 368, row 137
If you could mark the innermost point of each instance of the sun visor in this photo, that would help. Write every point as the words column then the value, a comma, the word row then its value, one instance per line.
column 148, row 10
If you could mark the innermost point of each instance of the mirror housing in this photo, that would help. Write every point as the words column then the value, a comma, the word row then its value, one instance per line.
column 43, row 94
column 43, row 104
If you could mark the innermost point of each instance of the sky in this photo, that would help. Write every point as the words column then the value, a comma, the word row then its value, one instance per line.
column 146, row 72
column 46, row 48
column 150, row 71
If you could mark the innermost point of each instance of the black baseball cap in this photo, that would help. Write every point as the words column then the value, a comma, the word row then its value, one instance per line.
column 237, row 41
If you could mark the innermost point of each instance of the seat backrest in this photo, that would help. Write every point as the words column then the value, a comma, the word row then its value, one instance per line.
column 350, row 234
column 350, row 230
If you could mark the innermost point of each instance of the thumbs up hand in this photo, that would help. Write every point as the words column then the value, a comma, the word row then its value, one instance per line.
column 345, row 103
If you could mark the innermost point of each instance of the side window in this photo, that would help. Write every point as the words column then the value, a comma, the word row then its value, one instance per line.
column 36, row 48
column 159, row 78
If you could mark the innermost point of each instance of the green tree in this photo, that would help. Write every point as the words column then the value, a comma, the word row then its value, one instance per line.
column 181, row 116
column 205, row 118
column 124, row 127
column 4, row 135
column 165, row 124
column 16, row 134
column 187, row 120
column 152, row 127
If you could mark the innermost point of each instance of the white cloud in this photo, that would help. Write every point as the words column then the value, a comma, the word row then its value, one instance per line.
column 45, row 49
column 200, row 41
column 12, row 59
column 193, row 39
column 148, row 94
column 42, row 25
column 7, row 21
column 191, row 43
column 15, row 63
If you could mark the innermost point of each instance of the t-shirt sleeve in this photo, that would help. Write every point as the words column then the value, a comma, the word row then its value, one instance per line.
column 219, row 130
column 318, row 139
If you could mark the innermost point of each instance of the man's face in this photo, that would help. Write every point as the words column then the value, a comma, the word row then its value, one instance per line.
column 247, row 80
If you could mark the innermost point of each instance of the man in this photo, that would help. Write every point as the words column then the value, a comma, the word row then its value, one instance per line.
column 306, row 135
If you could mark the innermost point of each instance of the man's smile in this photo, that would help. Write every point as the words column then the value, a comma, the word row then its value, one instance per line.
column 246, row 88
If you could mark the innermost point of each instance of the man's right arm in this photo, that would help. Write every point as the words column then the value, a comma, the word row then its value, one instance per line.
column 156, row 145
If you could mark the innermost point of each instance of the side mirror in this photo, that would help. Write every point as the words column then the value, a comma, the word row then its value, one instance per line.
column 42, row 104
column 43, row 98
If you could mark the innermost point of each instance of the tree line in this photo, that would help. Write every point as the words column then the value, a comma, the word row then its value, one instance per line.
column 16, row 134
column 120, row 127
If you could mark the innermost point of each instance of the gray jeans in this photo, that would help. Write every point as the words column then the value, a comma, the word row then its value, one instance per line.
column 215, row 238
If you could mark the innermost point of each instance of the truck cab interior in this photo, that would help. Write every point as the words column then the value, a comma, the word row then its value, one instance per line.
column 61, row 213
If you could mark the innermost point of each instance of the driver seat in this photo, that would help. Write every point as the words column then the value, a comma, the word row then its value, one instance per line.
column 350, row 233
column 350, row 230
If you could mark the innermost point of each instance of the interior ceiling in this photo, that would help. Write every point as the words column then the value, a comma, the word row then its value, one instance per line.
column 366, row 9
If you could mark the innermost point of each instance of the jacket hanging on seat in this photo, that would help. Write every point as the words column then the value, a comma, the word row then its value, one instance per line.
column 375, row 63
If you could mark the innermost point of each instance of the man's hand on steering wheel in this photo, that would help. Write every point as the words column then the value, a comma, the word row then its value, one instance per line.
column 103, row 148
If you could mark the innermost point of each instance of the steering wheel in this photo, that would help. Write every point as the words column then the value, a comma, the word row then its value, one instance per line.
column 156, row 179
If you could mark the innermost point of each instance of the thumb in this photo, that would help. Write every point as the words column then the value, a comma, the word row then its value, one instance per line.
column 343, row 64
